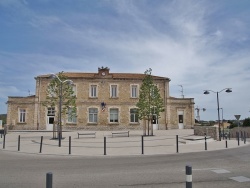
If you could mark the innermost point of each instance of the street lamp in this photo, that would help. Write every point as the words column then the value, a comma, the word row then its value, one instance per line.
column 198, row 112
column 228, row 90
column 69, row 82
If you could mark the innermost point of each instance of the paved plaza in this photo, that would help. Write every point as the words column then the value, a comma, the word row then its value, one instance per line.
column 163, row 142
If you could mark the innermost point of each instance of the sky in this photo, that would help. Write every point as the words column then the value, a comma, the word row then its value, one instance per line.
column 198, row 44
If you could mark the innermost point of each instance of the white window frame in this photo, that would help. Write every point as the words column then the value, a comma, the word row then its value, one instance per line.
column 51, row 111
column 51, row 94
column 72, row 119
column 134, row 116
column 112, row 118
column 74, row 89
column 22, row 113
column 93, row 91
column 134, row 90
column 113, row 91
column 94, row 115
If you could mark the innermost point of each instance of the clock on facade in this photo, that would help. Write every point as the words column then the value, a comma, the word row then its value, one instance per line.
column 103, row 73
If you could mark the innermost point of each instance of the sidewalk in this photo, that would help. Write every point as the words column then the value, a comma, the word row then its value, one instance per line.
column 163, row 142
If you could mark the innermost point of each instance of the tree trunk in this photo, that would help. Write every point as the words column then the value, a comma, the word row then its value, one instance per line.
column 151, row 127
column 144, row 128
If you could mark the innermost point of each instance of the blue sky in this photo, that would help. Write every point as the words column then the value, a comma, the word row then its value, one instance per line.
column 199, row 44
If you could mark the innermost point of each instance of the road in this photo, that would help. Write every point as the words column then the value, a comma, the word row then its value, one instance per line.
column 210, row 169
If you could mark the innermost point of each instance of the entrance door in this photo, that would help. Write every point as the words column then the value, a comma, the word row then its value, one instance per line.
column 180, row 119
column 50, row 122
column 155, row 123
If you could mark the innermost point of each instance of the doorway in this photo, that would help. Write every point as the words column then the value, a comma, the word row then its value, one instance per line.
column 181, row 119
column 50, row 118
column 50, row 123
column 155, row 122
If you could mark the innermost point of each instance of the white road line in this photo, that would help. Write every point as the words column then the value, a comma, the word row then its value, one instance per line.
column 240, row 179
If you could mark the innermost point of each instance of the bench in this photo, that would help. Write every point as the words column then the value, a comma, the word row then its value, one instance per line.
column 120, row 133
column 84, row 134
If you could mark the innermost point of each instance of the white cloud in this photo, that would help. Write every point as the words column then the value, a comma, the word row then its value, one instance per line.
column 182, row 40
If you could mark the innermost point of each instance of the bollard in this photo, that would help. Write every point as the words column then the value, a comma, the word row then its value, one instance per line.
column 189, row 177
column 241, row 135
column 18, row 147
column 41, row 144
column 226, row 141
column 142, row 144
column 238, row 137
column 4, row 141
column 105, row 146
column 229, row 135
column 69, row 145
column 245, row 139
column 177, row 144
column 49, row 180
column 205, row 142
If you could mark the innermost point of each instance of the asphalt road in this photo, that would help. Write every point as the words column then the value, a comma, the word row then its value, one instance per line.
column 210, row 169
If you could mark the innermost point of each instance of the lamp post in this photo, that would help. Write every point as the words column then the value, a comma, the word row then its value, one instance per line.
column 69, row 82
column 228, row 90
column 222, row 121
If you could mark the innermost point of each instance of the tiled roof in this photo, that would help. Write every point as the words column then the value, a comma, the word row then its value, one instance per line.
column 113, row 75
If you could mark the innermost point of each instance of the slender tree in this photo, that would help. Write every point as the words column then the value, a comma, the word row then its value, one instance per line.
column 150, row 102
column 60, row 94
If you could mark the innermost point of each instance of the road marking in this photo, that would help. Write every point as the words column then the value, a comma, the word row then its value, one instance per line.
column 200, row 169
column 240, row 179
column 220, row 171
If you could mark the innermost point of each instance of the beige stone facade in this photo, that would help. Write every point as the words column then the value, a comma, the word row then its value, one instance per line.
column 119, row 92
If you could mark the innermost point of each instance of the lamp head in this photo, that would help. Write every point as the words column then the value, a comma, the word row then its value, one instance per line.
column 206, row 92
column 229, row 90
column 52, row 76
column 69, row 82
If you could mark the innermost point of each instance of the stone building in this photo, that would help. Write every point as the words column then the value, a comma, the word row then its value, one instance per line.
column 105, row 101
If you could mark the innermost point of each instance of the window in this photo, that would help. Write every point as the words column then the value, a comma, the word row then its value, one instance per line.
column 51, row 111
column 93, row 113
column 134, row 91
column 133, row 115
column 71, row 116
column 51, row 91
column 74, row 90
column 113, row 91
column 113, row 115
column 93, row 91
column 22, row 115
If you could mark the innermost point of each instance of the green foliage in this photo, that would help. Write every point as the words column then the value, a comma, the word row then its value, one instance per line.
column 3, row 117
column 57, row 88
column 233, row 124
column 246, row 122
column 150, row 102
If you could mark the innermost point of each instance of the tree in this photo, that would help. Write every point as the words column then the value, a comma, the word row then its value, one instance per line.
column 150, row 103
column 60, row 95
column 246, row 122
column 3, row 117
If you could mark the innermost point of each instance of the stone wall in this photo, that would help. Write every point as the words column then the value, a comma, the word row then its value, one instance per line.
column 208, row 130
column 243, row 129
